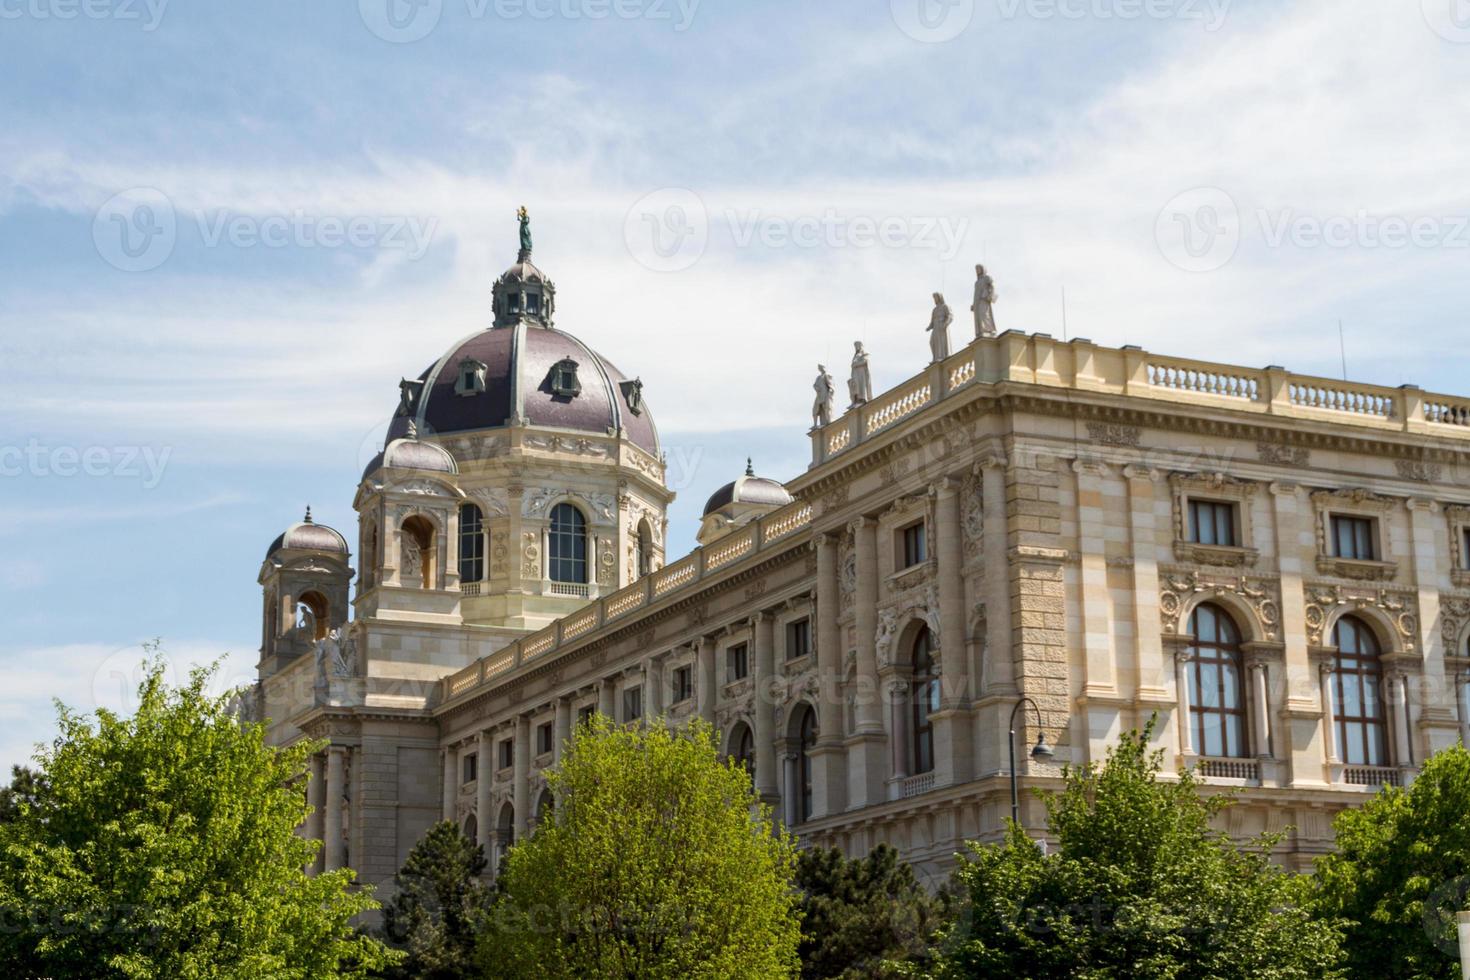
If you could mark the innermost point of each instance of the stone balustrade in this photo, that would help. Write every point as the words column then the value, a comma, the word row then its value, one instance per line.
column 757, row 541
column 1080, row 365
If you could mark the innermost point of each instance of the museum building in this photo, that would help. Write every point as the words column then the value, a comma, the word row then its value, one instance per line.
column 1058, row 538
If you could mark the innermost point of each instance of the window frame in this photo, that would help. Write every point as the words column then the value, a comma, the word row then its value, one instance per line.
column 1356, row 668
column 1225, row 658
column 682, row 684
column 545, row 738
column 561, row 535
column 1195, row 533
column 632, row 704
column 469, row 768
column 798, row 638
column 923, row 702
column 806, row 740
column 472, row 533
column 1363, row 536
column 913, row 545
column 505, row 753
column 737, row 653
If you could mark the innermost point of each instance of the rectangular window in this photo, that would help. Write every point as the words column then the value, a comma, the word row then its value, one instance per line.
column 1354, row 538
column 585, row 713
column 1212, row 522
column 471, row 767
column 1465, row 548
column 683, row 683
column 544, row 739
column 915, row 547
column 632, row 704
column 798, row 639
column 471, row 544
column 507, row 754
column 737, row 659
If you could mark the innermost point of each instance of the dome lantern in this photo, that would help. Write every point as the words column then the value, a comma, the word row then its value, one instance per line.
column 523, row 293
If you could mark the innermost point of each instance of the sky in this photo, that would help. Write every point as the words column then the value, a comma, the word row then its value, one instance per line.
column 228, row 230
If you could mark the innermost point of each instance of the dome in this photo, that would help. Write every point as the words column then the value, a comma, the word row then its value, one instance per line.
column 408, row 453
column 749, row 489
column 543, row 375
column 309, row 536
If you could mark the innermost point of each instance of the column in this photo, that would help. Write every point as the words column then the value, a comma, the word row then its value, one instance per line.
column 828, row 757
column 607, row 692
column 653, row 690
column 868, row 770
column 765, row 736
column 332, row 833
column 953, row 758
column 791, row 792
column 899, row 737
column 1404, row 757
column 316, row 795
column 1436, row 727
column 1181, row 686
column 998, row 669
column 1329, row 716
column 1261, row 710
column 561, row 731
column 484, row 774
column 1298, row 726
column 449, row 756
column 521, row 787
column 707, row 685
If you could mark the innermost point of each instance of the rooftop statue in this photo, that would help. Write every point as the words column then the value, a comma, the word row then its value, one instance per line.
column 984, row 305
column 525, row 219
column 938, row 328
column 826, row 392
column 860, row 385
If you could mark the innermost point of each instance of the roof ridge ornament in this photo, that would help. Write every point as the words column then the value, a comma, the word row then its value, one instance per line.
column 749, row 467
column 307, row 518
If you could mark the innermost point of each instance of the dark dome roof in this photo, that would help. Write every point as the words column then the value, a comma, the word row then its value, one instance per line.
column 411, row 454
column 305, row 535
column 749, row 489
column 518, row 363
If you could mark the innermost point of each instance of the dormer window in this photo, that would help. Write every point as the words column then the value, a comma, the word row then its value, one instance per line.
column 533, row 304
column 513, row 302
column 471, row 379
column 564, row 379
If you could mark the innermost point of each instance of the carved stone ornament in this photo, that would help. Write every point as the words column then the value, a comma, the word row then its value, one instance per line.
column 972, row 515
column 573, row 445
column 1178, row 587
column 1294, row 456
column 1400, row 606
column 493, row 501
column 1112, row 434
column 530, row 555
column 1418, row 470
column 1454, row 615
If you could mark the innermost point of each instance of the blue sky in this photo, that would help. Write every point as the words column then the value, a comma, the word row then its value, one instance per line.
column 316, row 198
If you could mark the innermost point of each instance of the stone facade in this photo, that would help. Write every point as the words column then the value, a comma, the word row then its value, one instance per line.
column 1025, row 511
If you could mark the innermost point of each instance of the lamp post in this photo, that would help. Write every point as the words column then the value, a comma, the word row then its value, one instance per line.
column 1039, row 751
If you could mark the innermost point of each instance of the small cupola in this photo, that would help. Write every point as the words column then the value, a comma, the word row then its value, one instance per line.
column 736, row 504
column 523, row 293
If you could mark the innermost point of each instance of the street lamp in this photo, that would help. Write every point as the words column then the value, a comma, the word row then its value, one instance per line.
column 1039, row 751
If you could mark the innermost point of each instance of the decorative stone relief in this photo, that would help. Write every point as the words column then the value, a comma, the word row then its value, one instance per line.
column 1262, row 594
column 1112, row 434
column 1454, row 613
column 494, row 501
column 833, row 499
column 606, row 562
column 1272, row 452
column 972, row 515
column 574, row 445
column 1417, row 470
column 847, row 571
column 498, row 552
column 530, row 555
column 896, row 471
column 1400, row 605
column 537, row 502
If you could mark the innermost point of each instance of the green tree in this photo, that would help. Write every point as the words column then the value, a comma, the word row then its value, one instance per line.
column 26, row 786
column 1400, row 872
column 1139, row 885
column 165, row 846
column 659, row 863
column 862, row 917
column 439, row 906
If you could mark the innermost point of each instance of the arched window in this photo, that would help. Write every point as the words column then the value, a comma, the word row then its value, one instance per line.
column 544, row 805
column 417, row 569
column 1216, row 705
column 471, row 826
column 505, row 832
column 924, row 693
column 471, row 543
column 313, row 615
column 567, row 547
column 370, row 560
column 742, row 748
column 1362, row 735
column 808, row 739
column 644, row 550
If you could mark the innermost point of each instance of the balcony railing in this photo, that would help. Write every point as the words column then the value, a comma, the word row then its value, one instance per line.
column 1247, row 769
column 751, row 544
column 917, row 785
column 1371, row 776
column 1081, row 365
